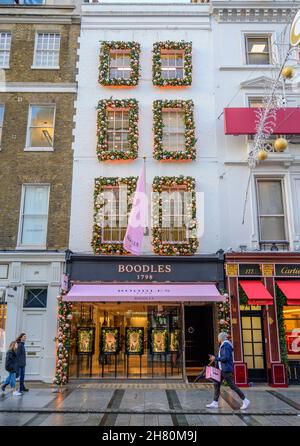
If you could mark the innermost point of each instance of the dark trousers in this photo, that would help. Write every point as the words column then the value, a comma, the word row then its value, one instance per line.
column 22, row 377
column 227, row 376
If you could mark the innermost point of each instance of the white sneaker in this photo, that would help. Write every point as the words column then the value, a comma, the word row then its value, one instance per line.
column 213, row 405
column 16, row 393
column 246, row 403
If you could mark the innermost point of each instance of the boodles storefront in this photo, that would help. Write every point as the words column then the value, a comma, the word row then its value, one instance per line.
column 141, row 317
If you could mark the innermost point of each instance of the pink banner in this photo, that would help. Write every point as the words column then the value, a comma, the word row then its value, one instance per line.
column 134, row 236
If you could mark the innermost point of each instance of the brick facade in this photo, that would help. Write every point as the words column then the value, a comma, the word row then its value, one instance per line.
column 18, row 166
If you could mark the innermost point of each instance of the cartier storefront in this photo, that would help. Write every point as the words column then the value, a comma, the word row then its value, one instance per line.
column 264, row 289
column 142, row 317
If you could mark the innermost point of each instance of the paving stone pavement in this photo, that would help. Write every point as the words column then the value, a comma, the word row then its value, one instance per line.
column 143, row 404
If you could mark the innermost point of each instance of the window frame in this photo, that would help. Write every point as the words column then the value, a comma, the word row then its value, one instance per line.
column 258, row 35
column 270, row 179
column 34, row 66
column 165, row 52
column 1, row 124
column 28, row 148
column 34, row 286
column 4, row 31
column 118, row 217
column 121, row 131
column 20, row 245
column 174, row 215
column 129, row 69
column 170, row 133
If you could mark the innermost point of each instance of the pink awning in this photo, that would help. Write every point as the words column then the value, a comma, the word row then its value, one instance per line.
column 163, row 292
column 243, row 121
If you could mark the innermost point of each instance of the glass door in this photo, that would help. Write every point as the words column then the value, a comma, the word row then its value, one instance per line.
column 253, row 343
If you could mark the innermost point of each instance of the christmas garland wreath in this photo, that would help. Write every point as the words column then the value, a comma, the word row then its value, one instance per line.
column 186, row 47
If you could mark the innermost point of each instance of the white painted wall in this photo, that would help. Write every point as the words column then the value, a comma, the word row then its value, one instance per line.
column 221, row 170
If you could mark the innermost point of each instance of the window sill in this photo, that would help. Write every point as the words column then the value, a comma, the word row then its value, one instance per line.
column 31, row 248
column 38, row 149
column 33, row 67
column 7, row 67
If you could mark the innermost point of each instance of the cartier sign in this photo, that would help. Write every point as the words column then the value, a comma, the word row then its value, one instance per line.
column 292, row 270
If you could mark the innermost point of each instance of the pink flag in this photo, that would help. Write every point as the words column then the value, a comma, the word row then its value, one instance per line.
column 133, row 239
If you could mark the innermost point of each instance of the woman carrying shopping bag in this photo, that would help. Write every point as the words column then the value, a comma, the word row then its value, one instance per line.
column 224, row 362
column 12, row 367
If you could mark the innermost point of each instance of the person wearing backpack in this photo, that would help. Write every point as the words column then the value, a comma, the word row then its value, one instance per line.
column 224, row 362
column 12, row 367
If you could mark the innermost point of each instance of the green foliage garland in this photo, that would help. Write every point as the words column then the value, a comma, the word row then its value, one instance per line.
column 156, row 67
column 280, row 303
column 100, row 183
column 104, row 154
column 224, row 319
column 63, row 340
column 104, row 67
column 190, row 141
column 169, row 249
column 243, row 296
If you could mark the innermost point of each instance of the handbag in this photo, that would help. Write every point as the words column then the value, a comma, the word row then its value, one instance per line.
column 213, row 373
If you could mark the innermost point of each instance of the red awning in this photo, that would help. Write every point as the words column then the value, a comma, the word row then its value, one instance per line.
column 256, row 292
column 291, row 289
column 243, row 121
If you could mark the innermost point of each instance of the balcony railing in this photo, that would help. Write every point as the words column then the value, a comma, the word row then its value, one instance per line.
column 281, row 245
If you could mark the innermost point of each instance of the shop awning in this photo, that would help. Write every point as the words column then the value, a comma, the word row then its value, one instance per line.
column 256, row 292
column 291, row 289
column 243, row 121
column 163, row 292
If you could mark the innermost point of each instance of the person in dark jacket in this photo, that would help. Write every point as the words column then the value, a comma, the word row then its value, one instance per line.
column 21, row 355
column 11, row 366
column 224, row 362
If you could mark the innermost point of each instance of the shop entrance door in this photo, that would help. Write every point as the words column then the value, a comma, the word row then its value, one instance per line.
column 199, row 337
column 253, row 345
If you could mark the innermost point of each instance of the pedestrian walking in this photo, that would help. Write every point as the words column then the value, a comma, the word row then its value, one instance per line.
column 11, row 366
column 224, row 362
column 21, row 355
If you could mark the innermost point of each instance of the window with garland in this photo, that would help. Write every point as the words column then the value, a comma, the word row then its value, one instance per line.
column 112, row 203
column 174, row 229
column 119, row 64
column 172, row 64
column 117, row 129
column 174, row 130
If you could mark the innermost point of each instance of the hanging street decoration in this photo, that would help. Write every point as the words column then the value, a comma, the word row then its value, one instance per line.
column 295, row 30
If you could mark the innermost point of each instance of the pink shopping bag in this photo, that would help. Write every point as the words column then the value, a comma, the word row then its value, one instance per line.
column 213, row 373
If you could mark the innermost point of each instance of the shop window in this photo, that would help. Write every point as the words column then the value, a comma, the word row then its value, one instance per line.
column 46, row 54
column 292, row 331
column 173, row 130
column 115, row 216
column 1, row 121
column 40, row 132
column 258, row 50
column 256, row 102
column 34, row 216
column 35, row 298
column 5, row 44
column 271, row 212
column 118, row 130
